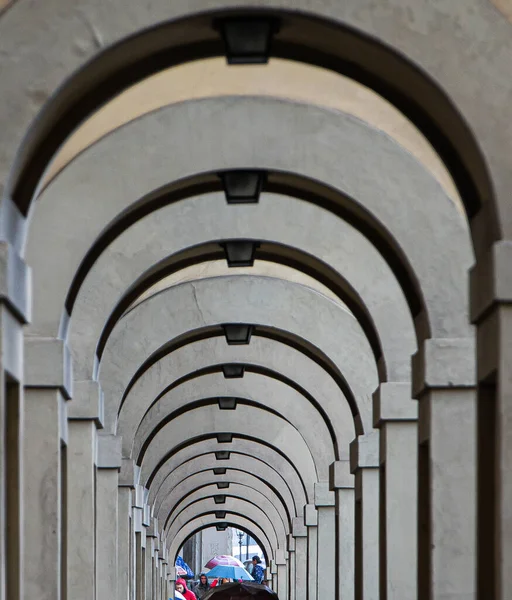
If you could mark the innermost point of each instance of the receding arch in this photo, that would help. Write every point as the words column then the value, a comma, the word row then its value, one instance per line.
column 244, row 299
column 232, row 506
column 186, row 398
column 233, row 520
column 305, row 37
column 318, row 164
column 286, row 363
column 238, row 482
column 207, row 422
column 274, row 469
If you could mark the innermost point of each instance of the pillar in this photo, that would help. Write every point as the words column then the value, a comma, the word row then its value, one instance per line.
column 396, row 414
column 14, row 313
column 291, row 568
column 326, row 556
column 491, row 299
column 48, row 382
column 311, row 522
column 364, row 464
column 126, row 481
column 341, row 481
column 300, row 535
column 107, row 480
column 139, row 544
column 282, row 572
column 443, row 382
column 84, row 416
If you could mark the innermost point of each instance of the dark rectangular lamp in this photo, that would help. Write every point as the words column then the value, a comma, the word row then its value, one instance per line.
column 223, row 485
column 219, row 471
column 221, row 514
column 221, row 526
column 220, row 499
column 247, row 40
column 224, row 438
column 240, row 253
column 222, row 455
column 243, row 187
column 238, row 334
column 227, row 403
column 233, row 371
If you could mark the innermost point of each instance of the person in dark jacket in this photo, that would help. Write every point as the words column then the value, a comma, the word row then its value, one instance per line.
column 202, row 587
column 181, row 586
column 257, row 570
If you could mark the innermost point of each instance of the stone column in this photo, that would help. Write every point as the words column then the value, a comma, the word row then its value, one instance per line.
column 396, row 414
column 274, row 576
column 107, row 480
column 311, row 522
column 15, row 302
column 291, row 568
column 282, row 573
column 48, row 382
column 443, row 382
column 326, row 557
column 139, row 544
column 300, row 535
column 491, row 312
column 84, row 417
column 341, row 481
column 364, row 464
column 149, row 567
column 124, row 543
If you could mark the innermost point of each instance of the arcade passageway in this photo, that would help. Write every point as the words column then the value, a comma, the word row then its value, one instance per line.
column 255, row 273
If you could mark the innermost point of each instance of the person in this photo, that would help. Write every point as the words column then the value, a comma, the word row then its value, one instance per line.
column 257, row 570
column 202, row 587
column 181, row 586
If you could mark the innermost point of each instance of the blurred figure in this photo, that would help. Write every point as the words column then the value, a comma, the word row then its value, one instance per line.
column 181, row 586
column 257, row 570
column 202, row 587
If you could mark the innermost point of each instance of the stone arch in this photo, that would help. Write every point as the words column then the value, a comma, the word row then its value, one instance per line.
column 316, row 437
column 253, row 513
column 205, row 482
column 379, row 65
column 285, row 360
column 320, row 163
column 202, row 522
column 207, row 422
column 274, row 469
column 254, row 389
column 139, row 334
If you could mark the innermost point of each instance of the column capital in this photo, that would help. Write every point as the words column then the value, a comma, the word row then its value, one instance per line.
column 146, row 515
column 291, row 542
column 139, row 496
column 364, row 451
column 323, row 495
column 109, row 451
column 340, row 476
column 490, row 280
column 299, row 529
column 129, row 474
column 87, row 403
column 273, row 567
column 444, row 363
column 15, row 283
column 310, row 515
column 393, row 402
column 48, row 364
column 281, row 557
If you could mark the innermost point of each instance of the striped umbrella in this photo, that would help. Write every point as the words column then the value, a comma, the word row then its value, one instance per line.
column 224, row 560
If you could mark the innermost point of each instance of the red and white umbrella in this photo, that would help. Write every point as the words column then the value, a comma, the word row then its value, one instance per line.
column 180, row 571
column 224, row 560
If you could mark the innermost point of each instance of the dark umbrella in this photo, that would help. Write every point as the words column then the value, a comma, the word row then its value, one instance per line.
column 241, row 591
